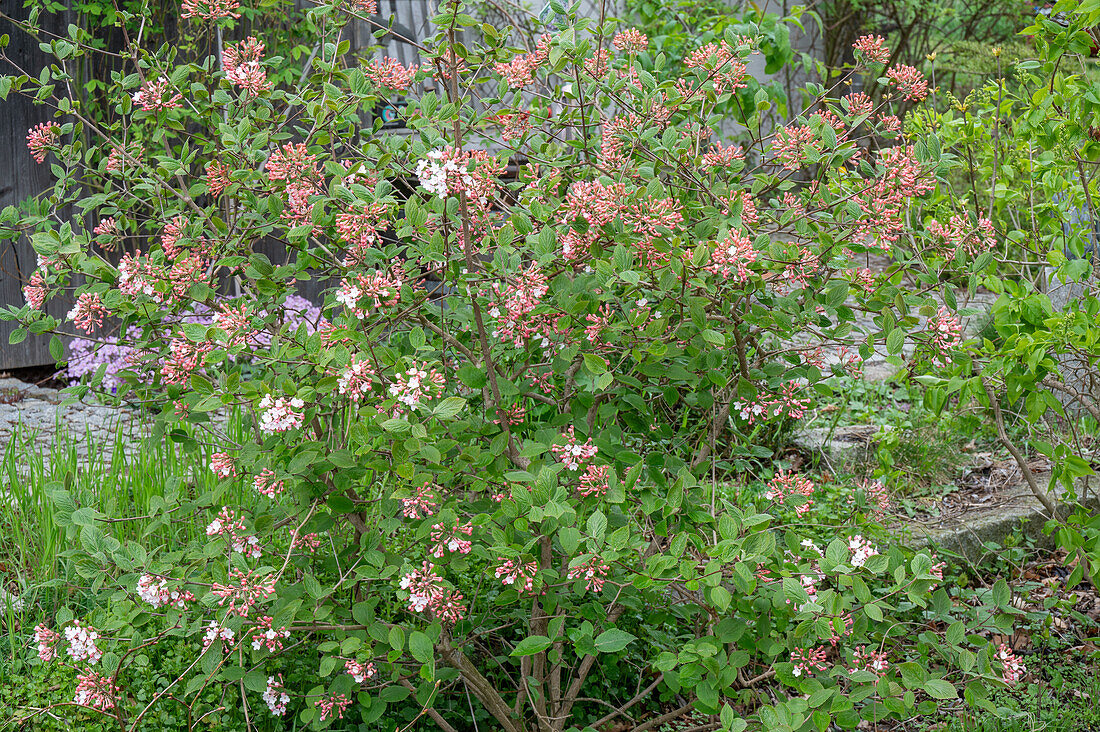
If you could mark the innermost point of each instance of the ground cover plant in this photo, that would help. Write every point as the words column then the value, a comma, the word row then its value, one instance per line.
column 484, row 481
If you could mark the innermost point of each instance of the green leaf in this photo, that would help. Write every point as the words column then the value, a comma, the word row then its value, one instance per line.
column 532, row 645
column 472, row 376
column 940, row 689
column 421, row 647
column 895, row 341
column 397, row 638
column 597, row 524
column 613, row 640
column 595, row 364
column 449, row 407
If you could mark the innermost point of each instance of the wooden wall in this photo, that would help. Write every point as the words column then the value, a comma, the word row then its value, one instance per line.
column 20, row 178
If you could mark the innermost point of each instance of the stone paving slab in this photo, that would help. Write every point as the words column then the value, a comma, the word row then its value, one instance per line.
column 1016, row 511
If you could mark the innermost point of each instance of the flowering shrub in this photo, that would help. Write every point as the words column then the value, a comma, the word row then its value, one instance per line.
column 497, row 485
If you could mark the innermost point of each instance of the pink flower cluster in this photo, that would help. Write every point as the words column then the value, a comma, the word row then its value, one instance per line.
column 520, row 71
column 808, row 661
column 211, row 9
column 265, row 636
column 222, row 465
column 275, row 696
column 359, row 229
column 593, row 571
column 1014, row 669
column 46, row 641
column 216, row 633
column 217, row 177
column 35, row 291
column 184, row 358
column 873, row 49
column 593, row 482
column 765, row 407
column 520, row 575
column 294, row 164
column 946, row 330
column 596, row 203
column 877, row 494
column 108, row 229
column 959, row 235
column 359, row 672
column 416, row 385
column 512, row 305
column 242, row 63
column 574, row 455
column 616, row 134
column 910, row 82
column 332, row 706
column 428, row 593
column 390, row 75
column 154, row 590
column 450, row 540
column 244, row 593
column 789, row 145
column 631, row 40
column 865, row 659
column 88, row 312
column 861, row 550
column 227, row 524
column 423, row 503
column 381, row 289
column 720, row 63
column 81, row 640
column 157, row 94
column 515, row 125
column 355, row 380
column 266, row 483
column 42, row 138
column 719, row 156
column 95, row 691
column 859, row 104
column 450, row 172
column 786, row 484
column 733, row 255
column 884, row 202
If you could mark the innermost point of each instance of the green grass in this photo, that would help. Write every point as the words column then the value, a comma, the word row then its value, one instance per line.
column 124, row 485
column 1063, row 700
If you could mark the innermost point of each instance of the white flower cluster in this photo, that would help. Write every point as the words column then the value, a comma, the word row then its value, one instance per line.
column 154, row 590
column 247, row 545
column 275, row 697
column 861, row 549
column 82, row 643
column 434, row 171
column 215, row 632
column 281, row 414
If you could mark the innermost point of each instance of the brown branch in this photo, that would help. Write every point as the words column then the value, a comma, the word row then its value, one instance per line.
column 436, row 717
column 637, row 698
column 480, row 686
column 658, row 721
column 1018, row 456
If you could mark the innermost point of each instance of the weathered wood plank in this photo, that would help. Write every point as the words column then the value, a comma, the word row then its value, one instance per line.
column 21, row 178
